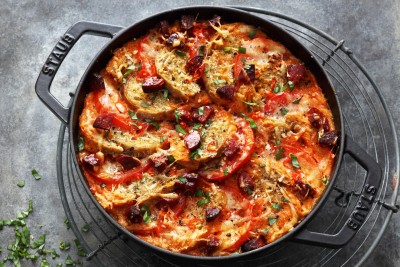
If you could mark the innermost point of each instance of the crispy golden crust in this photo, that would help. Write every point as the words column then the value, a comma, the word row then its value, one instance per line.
column 214, row 168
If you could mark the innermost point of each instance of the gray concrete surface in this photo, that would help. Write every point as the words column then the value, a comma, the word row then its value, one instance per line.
column 29, row 131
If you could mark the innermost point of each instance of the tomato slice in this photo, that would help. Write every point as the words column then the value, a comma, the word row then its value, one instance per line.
column 275, row 101
column 228, row 166
column 122, row 177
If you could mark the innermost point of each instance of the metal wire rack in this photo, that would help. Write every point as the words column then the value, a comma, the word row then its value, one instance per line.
column 367, row 120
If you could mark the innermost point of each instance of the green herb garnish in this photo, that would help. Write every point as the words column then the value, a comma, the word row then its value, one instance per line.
column 194, row 154
column 279, row 153
column 165, row 94
column 182, row 179
column 171, row 158
column 283, row 111
column 67, row 223
column 180, row 53
column 252, row 33
column 201, row 50
column 279, row 89
column 196, row 126
column 219, row 82
column 21, row 184
column 40, row 241
column 276, row 206
column 132, row 115
column 250, row 104
column 297, row 100
column 284, row 200
column 295, row 162
column 146, row 213
column 145, row 105
column 153, row 123
column 253, row 124
column 242, row 50
column 272, row 221
column 179, row 129
column 64, row 245
column 226, row 172
column 129, row 70
column 291, row 85
column 201, row 111
column 324, row 179
column 81, row 144
column 199, row 193
column 226, row 48
column 85, row 228
column 265, row 231
column 36, row 175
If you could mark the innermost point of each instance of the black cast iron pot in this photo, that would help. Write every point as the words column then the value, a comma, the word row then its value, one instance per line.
column 119, row 36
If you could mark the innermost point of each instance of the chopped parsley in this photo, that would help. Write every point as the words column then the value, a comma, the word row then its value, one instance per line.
column 201, row 111
column 272, row 221
column 252, row 33
column 204, row 200
column 21, row 184
column 276, row 206
column 81, row 250
column 171, row 158
column 324, row 179
column 253, row 124
column 226, row 48
column 279, row 154
column 266, row 230
column 67, row 223
column 226, row 172
column 162, row 139
column 194, row 154
column 132, row 115
column 279, row 89
column 145, row 105
column 201, row 50
column 199, row 193
column 165, row 94
column 129, row 70
column 64, row 245
column 179, row 129
column 242, row 50
column 146, row 213
column 85, row 228
column 197, row 126
column 182, row 179
column 39, row 242
column 219, row 82
column 153, row 123
column 81, row 144
column 297, row 100
column 180, row 53
column 177, row 115
column 285, row 200
column 291, row 85
column 295, row 162
column 36, row 175
column 250, row 104
column 283, row 111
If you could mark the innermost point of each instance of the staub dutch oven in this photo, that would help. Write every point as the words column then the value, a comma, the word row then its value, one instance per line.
column 70, row 116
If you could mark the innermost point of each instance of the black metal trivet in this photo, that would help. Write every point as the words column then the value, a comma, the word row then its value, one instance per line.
column 366, row 119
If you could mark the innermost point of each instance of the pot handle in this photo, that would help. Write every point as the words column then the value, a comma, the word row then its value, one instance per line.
column 361, row 210
column 59, row 52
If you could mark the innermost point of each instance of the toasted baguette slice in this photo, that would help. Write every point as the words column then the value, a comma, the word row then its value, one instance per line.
column 148, row 105
column 222, row 127
column 171, row 67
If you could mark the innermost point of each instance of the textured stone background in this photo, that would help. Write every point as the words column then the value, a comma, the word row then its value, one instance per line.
column 29, row 131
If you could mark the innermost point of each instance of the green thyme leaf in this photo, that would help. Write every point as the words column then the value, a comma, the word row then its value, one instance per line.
column 295, row 162
column 36, row 175
column 179, row 129
column 81, row 144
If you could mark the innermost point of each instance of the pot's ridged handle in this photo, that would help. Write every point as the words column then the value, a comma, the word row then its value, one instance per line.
column 57, row 56
column 361, row 210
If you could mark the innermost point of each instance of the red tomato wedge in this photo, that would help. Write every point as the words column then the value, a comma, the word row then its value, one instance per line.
column 122, row 177
column 228, row 166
